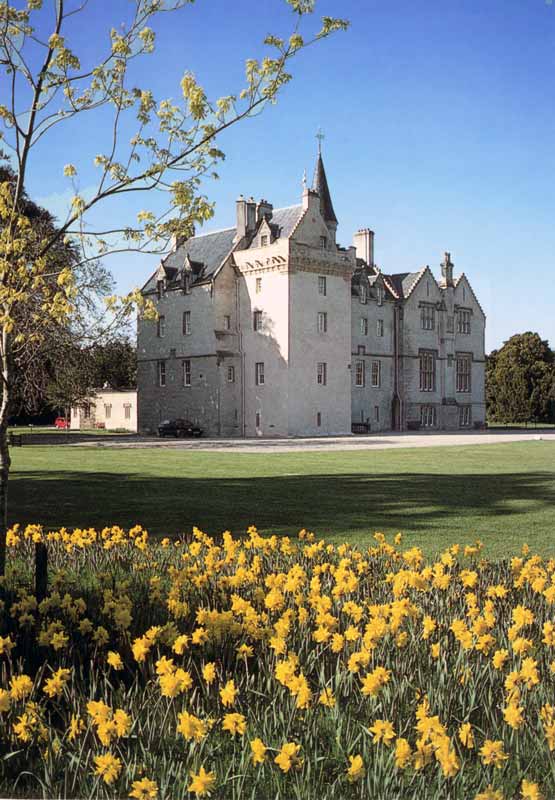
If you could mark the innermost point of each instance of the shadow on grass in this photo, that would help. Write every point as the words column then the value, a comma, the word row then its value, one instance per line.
column 325, row 503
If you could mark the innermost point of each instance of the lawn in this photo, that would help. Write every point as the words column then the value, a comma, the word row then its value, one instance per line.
column 503, row 494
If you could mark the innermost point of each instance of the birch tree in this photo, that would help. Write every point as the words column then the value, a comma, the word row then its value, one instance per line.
column 174, row 145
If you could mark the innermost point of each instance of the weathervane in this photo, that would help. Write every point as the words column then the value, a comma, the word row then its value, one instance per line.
column 304, row 179
column 320, row 136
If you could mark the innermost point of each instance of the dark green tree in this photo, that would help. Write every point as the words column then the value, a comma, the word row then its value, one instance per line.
column 520, row 380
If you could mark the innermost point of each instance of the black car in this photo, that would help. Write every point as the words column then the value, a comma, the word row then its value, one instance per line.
column 178, row 428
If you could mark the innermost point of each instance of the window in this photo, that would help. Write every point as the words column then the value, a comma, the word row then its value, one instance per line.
column 428, row 317
column 322, row 322
column 161, row 373
column 259, row 373
column 86, row 411
column 257, row 420
column 449, row 360
column 127, row 410
column 186, row 282
column 231, row 374
column 364, row 326
column 465, row 416
column 160, row 288
column 227, row 322
column 450, row 324
column 258, row 286
column 363, row 294
column 379, row 327
column 108, row 411
column 428, row 416
column 323, row 242
column 263, row 241
column 318, row 419
column 161, row 326
column 376, row 373
column 187, row 372
column 427, row 372
column 379, row 295
column 464, row 372
column 322, row 285
column 360, row 370
column 186, row 323
column 377, row 413
column 463, row 321
column 361, row 349
column 257, row 320
column 322, row 373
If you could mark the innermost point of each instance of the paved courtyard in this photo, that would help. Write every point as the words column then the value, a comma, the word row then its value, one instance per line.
column 372, row 442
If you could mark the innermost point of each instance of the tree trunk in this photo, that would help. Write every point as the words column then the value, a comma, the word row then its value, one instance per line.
column 5, row 460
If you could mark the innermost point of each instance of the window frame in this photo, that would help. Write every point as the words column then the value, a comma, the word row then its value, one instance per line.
column 364, row 326
column 162, row 373
column 107, row 411
column 463, row 377
column 427, row 375
column 465, row 416
column 360, row 373
column 127, row 410
column 363, row 294
column 376, row 374
column 428, row 317
column 322, row 322
column 257, row 285
column 161, row 326
column 186, row 323
column 257, row 320
column 187, row 371
column 464, row 326
column 322, row 373
column 322, row 285
column 380, row 327
column 380, row 295
column 231, row 373
column 428, row 416
column 259, row 376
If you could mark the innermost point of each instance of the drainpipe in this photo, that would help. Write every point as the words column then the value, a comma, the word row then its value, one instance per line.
column 241, row 353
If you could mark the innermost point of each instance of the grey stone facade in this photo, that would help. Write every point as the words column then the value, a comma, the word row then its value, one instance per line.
column 269, row 328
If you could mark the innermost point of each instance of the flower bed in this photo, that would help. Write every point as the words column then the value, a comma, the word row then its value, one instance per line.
column 268, row 667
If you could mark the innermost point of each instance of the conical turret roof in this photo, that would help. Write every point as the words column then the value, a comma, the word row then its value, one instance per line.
column 320, row 185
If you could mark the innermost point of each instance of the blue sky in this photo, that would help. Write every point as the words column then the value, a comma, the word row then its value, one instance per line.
column 439, row 120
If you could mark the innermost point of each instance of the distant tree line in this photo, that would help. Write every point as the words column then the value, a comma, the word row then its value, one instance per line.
column 68, row 373
column 520, row 381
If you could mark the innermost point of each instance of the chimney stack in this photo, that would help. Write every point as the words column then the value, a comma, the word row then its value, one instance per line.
column 363, row 241
column 246, row 217
column 264, row 209
column 447, row 270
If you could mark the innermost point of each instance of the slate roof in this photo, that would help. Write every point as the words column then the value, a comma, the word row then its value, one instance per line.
column 320, row 185
column 403, row 282
column 208, row 249
column 283, row 221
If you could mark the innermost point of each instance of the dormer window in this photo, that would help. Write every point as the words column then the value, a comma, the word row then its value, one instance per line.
column 363, row 294
column 379, row 295
column 264, row 240
column 324, row 242
column 186, row 282
column 159, row 288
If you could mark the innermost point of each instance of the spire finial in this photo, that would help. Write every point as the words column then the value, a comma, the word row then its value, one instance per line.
column 304, row 179
column 320, row 136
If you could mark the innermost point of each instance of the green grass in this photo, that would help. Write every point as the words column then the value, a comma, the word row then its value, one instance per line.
column 503, row 494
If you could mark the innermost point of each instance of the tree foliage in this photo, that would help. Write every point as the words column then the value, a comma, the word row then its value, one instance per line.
column 520, row 380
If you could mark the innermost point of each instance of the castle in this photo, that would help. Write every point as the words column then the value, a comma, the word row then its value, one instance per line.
column 270, row 328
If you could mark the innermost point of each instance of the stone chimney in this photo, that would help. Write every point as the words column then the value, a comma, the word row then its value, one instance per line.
column 311, row 199
column 264, row 209
column 246, row 217
column 363, row 241
column 447, row 270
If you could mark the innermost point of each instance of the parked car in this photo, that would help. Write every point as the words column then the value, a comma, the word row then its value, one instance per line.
column 61, row 422
column 178, row 428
